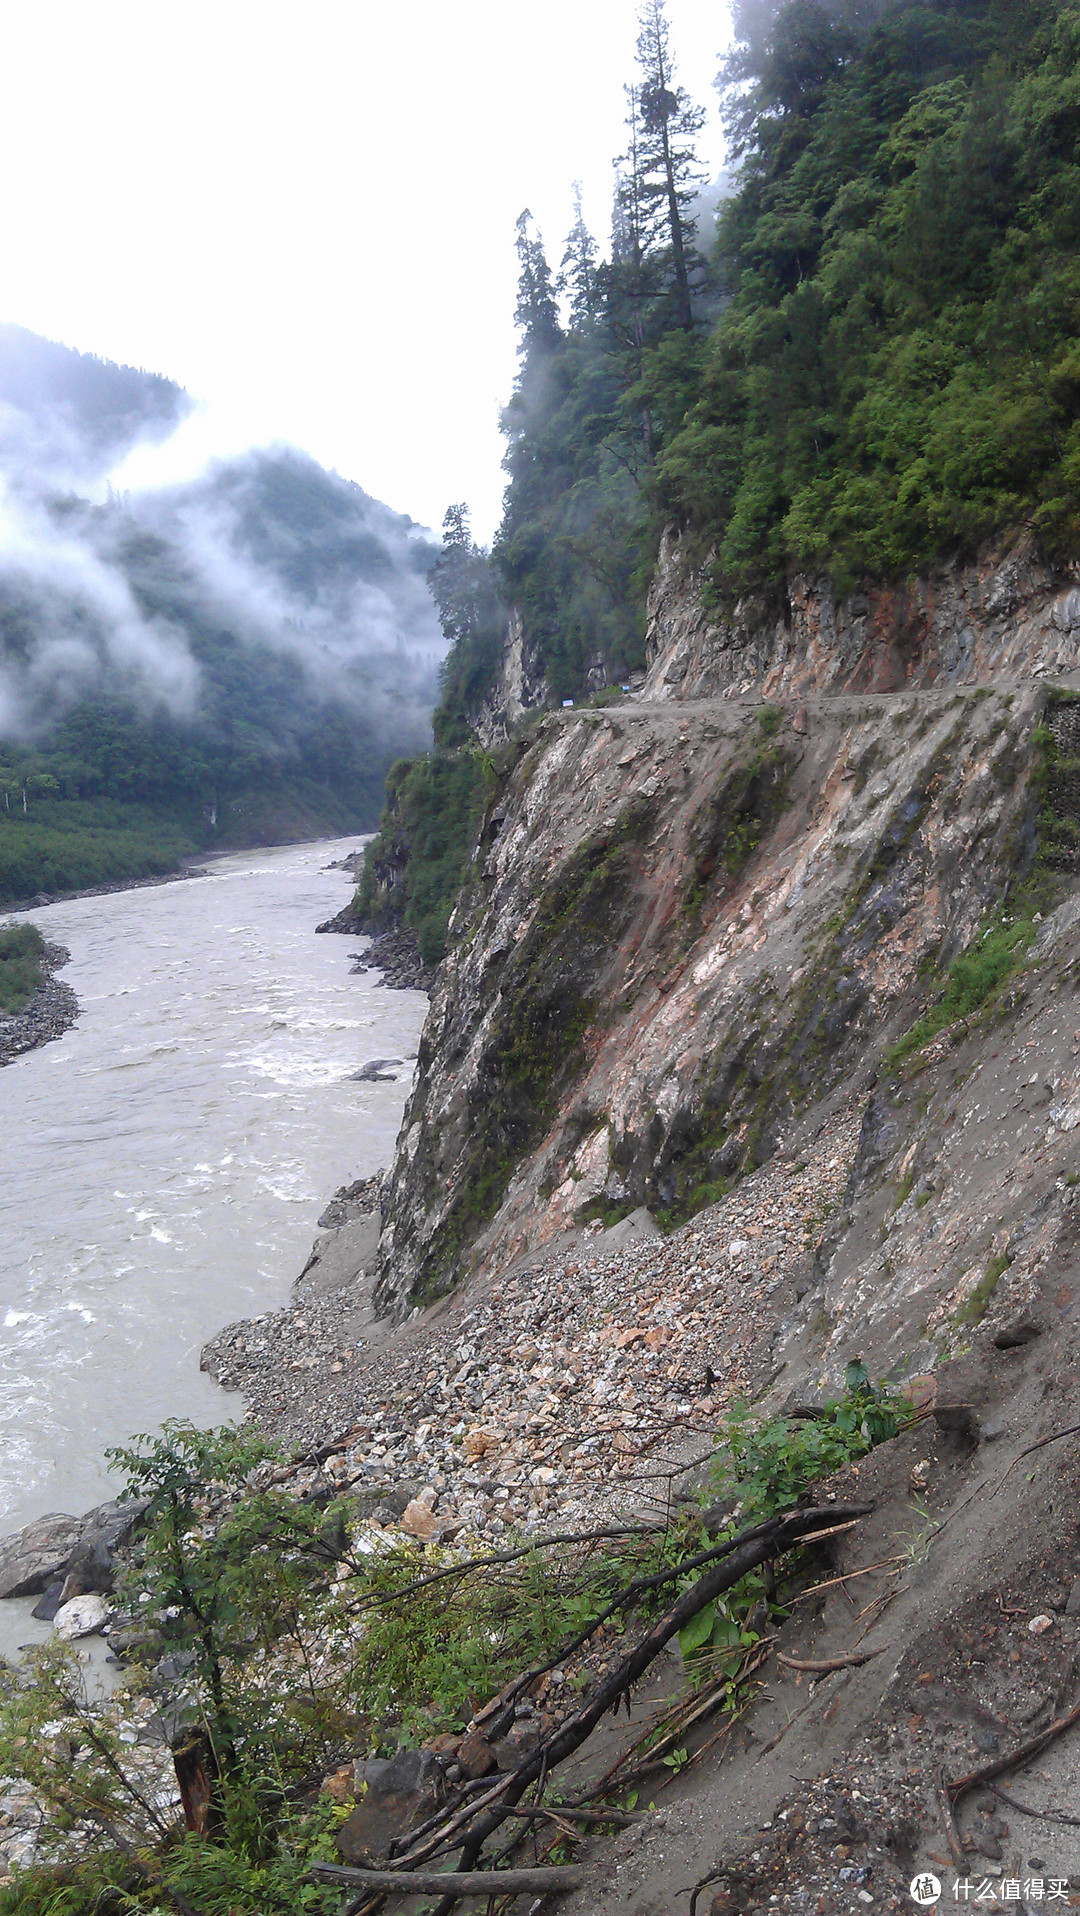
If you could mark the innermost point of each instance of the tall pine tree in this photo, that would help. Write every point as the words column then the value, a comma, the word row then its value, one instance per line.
column 664, row 172
column 537, row 311
column 578, row 275
column 465, row 591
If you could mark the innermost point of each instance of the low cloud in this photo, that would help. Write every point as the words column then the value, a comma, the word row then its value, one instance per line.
column 70, row 625
column 269, row 548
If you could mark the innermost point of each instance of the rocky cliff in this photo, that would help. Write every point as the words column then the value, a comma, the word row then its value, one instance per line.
column 698, row 917
column 1009, row 614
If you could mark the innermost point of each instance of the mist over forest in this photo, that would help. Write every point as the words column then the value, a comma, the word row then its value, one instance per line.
column 234, row 660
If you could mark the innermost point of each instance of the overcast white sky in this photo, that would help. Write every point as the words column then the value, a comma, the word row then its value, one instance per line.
column 303, row 210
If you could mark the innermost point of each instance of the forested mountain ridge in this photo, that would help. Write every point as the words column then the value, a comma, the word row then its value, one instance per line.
column 875, row 371
column 233, row 661
column 69, row 416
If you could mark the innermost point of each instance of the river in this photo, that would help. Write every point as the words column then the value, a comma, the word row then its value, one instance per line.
column 164, row 1163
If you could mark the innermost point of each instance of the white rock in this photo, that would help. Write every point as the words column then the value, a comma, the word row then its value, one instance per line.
column 82, row 1617
column 739, row 1247
column 1039, row 1625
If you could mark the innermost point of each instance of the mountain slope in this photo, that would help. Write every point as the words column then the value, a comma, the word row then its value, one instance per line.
column 239, row 659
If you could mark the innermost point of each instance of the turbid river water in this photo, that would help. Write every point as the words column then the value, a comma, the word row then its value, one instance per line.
column 164, row 1164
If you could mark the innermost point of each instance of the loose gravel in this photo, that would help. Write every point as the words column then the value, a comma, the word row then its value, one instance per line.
column 569, row 1389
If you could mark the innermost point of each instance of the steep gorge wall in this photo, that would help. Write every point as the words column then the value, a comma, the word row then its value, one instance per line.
column 690, row 924
column 1007, row 615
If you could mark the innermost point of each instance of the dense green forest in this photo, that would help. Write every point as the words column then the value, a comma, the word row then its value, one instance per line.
column 897, row 372
column 235, row 662
column 878, row 364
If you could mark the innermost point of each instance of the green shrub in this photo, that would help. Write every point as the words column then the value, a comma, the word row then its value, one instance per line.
column 21, row 973
column 772, row 1465
column 414, row 868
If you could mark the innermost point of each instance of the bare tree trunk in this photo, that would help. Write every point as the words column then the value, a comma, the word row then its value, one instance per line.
column 197, row 1776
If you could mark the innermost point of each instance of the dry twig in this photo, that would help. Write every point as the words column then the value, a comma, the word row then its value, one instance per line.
column 1033, row 1747
column 952, row 1834
column 822, row 1666
column 428, row 1882
column 1025, row 1809
column 1055, row 1438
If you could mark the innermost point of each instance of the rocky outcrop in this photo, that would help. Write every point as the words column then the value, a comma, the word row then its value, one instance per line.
column 520, row 686
column 690, row 924
column 1009, row 614
column 44, row 1553
column 395, row 952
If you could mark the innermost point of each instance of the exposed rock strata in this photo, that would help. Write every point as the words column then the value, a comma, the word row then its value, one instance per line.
column 688, row 922
column 1008, row 615
column 520, row 687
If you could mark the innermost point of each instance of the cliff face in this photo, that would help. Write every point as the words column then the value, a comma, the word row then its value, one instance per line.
column 1008, row 615
column 692, row 923
column 520, row 687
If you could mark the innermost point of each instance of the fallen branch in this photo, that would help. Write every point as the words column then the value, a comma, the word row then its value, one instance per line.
column 621, row 1819
column 630, row 1594
column 1025, row 1809
column 1041, row 1445
column 1033, row 1747
column 880, row 1604
column 833, row 1530
column 948, row 1820
column 472, row 1882
column 821, row 1666
column 465, row 1566
column 727, row 1565
column 849, row 1576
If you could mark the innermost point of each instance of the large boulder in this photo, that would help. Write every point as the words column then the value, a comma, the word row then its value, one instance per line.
column 398, row 1795
column 43, row 1552
column 82, row 1617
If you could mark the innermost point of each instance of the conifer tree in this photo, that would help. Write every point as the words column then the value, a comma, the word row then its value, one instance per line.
column 536, row 313
column 664, row 172
column 464, row 589
column 578, row 274
column 631, row 280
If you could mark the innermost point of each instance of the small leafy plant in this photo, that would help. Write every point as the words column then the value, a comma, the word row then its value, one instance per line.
column 772, row 1465
column 769, row 1468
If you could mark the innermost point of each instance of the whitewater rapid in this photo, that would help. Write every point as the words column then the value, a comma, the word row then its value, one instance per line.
column 165, row 1162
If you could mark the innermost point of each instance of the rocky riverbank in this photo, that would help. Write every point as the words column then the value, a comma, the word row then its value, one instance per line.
column 395, row 953
column 52, row 1010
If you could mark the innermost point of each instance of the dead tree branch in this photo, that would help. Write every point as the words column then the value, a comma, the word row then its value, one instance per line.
column 473, row 1882
column 1025, row 1809
column 823, row 1665
column 1023, row 1754
column 725, row 1566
